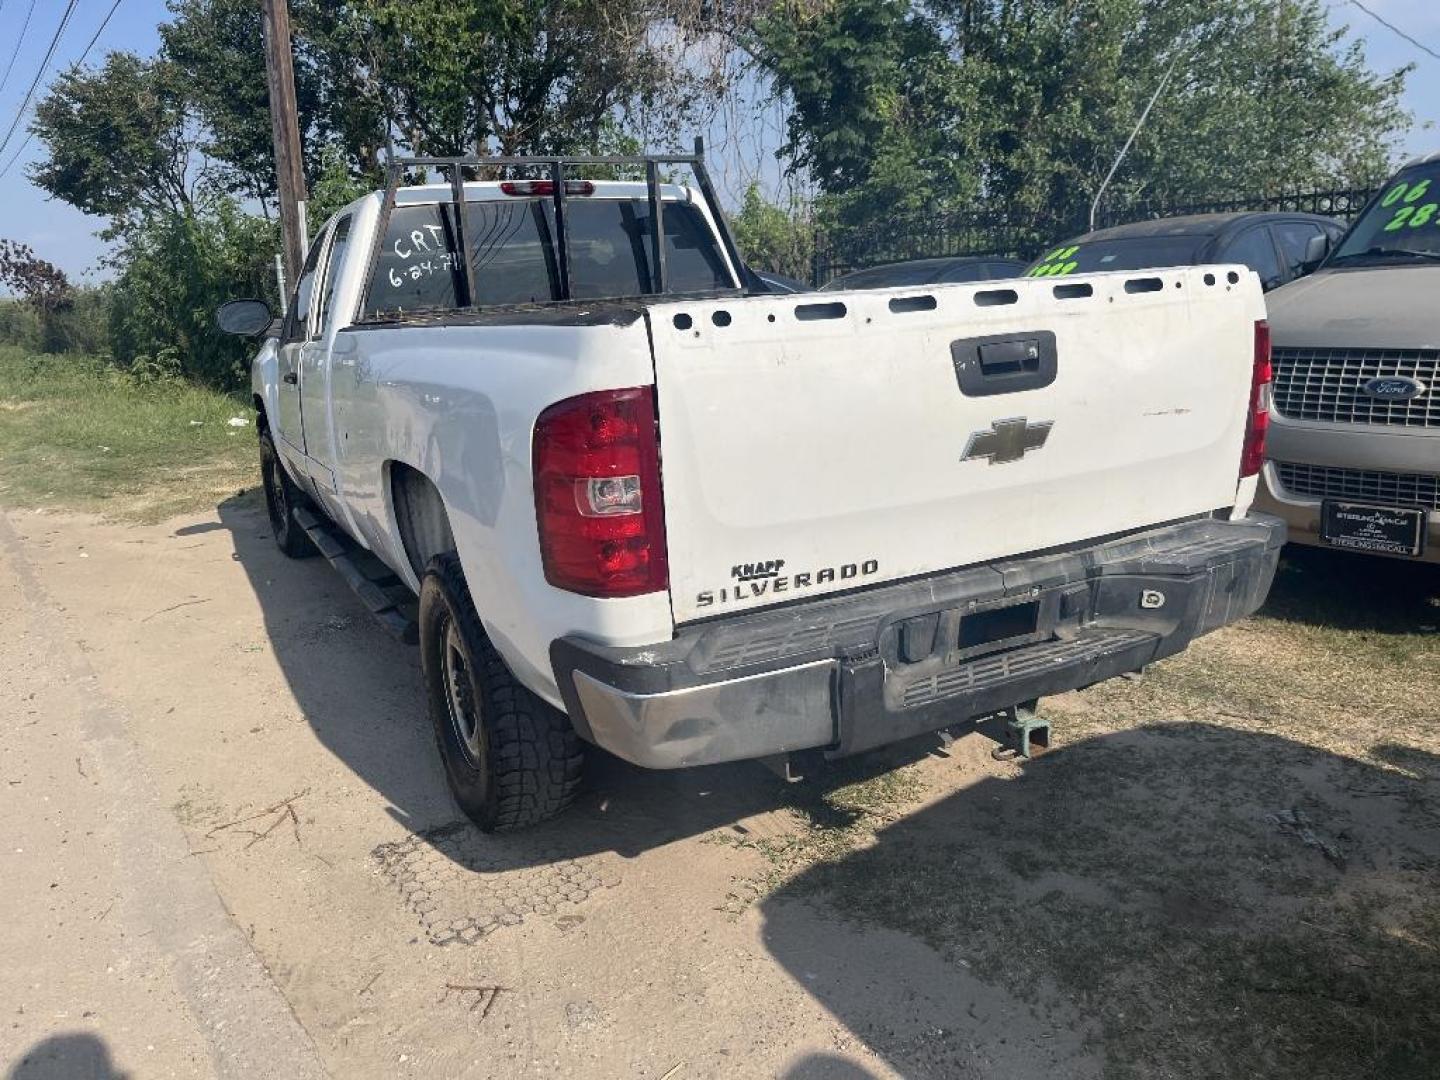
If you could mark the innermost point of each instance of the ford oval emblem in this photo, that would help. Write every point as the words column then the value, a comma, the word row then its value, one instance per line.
column 1394, row 388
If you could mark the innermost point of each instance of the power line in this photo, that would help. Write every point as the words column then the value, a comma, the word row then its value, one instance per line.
column 1391, row 26
column 18, row 41
column 89, row 45
column 44, row 66
column 93, row 37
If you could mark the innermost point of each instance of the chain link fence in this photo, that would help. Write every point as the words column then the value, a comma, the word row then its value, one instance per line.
column 989, row 233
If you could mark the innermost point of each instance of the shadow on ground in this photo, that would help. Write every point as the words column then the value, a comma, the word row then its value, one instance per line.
column 361, row 692
column 76, row 1055
column 1342, row 591
column 1180, row 899
column 1187, row 900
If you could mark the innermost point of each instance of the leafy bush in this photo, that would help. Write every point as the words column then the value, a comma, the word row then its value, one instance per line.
column 84, row 326
column 174, row 271
column 19, row 324
column 81, row 326
column 772, row 237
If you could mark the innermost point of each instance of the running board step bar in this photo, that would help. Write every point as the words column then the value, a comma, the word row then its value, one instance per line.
column 371, row 581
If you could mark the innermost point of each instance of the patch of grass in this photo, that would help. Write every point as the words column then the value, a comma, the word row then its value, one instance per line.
column 832, row 814
column 1135, row 880
column 76, row 433
column 1138, row 880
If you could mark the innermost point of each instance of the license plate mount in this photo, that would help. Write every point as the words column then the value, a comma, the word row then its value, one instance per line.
column 1363, row 526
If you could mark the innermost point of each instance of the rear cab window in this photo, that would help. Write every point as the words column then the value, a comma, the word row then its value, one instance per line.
column 513, row 249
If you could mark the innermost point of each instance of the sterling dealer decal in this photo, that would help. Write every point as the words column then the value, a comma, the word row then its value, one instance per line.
column 756, row 579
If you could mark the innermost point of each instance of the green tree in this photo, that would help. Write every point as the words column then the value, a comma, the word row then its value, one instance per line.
column 174, row 271
column 900, row 107
column 219, row 48
column 438, row 77
column 333, row 187
column 876, row 113
column 119, row 139
column 772, row 237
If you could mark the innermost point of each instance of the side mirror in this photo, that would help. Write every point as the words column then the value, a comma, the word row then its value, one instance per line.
column 1316, row 248
column 245, row 318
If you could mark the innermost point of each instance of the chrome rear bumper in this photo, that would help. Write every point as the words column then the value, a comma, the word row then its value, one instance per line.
column 856, row 671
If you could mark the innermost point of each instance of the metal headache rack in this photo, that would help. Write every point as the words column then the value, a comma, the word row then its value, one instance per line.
column 559, row 176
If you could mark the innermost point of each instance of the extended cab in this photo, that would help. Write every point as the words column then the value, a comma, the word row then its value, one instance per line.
column 646, row 508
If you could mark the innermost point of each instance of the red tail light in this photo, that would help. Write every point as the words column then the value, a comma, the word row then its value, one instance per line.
column 1257, row 421
column 545, row 187
column 597, row 494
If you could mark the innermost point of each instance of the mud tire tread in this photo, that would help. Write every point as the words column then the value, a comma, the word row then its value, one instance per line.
column 534, row 760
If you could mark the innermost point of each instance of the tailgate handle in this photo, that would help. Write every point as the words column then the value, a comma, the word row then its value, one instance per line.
column 1004, row 363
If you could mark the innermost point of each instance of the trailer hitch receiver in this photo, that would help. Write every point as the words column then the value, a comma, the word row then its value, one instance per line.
column 1026, row 733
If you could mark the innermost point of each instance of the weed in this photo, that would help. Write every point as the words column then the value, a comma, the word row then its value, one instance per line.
column 77, row 433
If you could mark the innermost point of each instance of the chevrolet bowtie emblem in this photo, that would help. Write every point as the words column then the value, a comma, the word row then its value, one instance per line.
column 1006, row 440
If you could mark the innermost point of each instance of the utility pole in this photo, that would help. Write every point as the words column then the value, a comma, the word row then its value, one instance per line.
column 285, row 127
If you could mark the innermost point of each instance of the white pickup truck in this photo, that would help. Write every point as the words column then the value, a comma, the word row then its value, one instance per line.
column 645, row 507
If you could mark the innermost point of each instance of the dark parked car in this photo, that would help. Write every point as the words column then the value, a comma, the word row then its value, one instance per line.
column 780, row 283
column 1273, row 245
column 928, row 272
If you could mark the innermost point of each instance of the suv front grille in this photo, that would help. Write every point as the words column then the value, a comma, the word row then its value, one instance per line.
column 1362, row 485
column 1325, row 384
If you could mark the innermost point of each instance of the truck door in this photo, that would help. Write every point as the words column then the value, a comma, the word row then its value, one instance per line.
column 293, row 338
column 315, row 360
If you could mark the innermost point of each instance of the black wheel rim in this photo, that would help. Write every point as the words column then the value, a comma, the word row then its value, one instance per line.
column 275, row 499
column 460, row 701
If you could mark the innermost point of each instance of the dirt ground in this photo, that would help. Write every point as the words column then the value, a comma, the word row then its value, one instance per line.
column 228, row 851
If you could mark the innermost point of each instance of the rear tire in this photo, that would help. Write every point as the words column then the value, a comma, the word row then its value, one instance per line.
column 282, row 496
column 511, row 759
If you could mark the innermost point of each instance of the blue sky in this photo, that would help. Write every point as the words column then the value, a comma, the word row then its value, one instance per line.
column 66, row 237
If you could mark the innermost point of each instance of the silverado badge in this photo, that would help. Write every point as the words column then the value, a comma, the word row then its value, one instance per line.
column 1006, row 440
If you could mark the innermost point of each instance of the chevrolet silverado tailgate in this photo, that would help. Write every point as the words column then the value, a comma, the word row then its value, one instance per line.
column 829, row 441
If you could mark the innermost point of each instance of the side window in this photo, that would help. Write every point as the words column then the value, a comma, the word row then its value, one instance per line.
column 1294, row 237
column 298, row 319
column 1255, row 249
column 339, row 241
column 970, row 271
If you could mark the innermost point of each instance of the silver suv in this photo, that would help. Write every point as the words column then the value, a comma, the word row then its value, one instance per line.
column 1354, row 441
